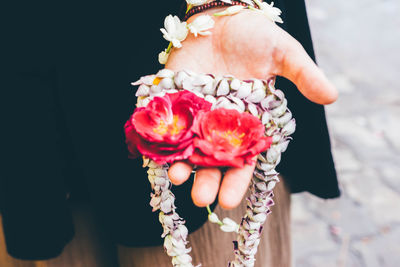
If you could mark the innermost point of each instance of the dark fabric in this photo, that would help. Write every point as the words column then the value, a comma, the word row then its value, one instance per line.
column 66, row 94
column 307, row 165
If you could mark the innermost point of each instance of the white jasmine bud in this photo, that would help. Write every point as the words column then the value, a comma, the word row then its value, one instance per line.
column 166, row 83
column 166, row 206
column 223, row 88
column 256, row 96
column 276, row 138
column 159, row 94
column 179, row 78
column 289, row 128
column 238, row 102
column 272, row 154
column 261, row 217
column 229, row 225
column 187, row 84
column 147, row 80
column 143, row 90
column 163, row 57
column 213, row 218
column 279, row 111
column 244, row 90
column 252, row 109
column 258, row 85
column 155, row 89
column 283, row 120
column 210, row 99
column 265, row 118
column 265, row 103
column 271, row 185
column 200, row 80
column 222, row 102
column 283, row 145
column 142, row 102
column 265, row 166
column 209, row 89
column 235, row 84
column 261, row 186
column 155, row 202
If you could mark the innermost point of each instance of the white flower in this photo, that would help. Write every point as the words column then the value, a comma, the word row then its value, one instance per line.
column 213, row 218
column 163, row 57
column 175, row 31
column 196, row 2
column 229, row 225
column 270, row 11
column 201, row 25
column 230, row 11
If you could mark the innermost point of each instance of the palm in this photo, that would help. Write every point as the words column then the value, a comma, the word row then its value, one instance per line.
column 249, row 45
column 246, row 45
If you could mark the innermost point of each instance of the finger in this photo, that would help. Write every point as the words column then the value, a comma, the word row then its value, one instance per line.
column 205, row 186
column 298, row 67
column 234, row 186
column 179, row 172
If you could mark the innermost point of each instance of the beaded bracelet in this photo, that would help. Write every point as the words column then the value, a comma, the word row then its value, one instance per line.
column 213, row 4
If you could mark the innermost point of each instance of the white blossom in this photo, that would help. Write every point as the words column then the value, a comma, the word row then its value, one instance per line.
column 271, row 12
column 223, row 88
column 143, row 90
column 213, row 218
column 232, row 10
column 201, row 25
column 165, row 73
column 174, row 30
column 163, row 57
column 196, row 2
column 229, row 225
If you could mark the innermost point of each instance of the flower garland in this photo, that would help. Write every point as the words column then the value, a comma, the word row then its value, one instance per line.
column 162, row 130
column 257, row 97
column 175, row 31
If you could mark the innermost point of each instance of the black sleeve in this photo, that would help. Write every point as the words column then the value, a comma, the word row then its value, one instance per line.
column 35, row 217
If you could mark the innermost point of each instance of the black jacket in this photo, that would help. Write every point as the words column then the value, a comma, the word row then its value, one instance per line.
column 66, row 96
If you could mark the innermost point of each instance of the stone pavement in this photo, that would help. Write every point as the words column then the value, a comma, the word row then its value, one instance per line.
column 357, row 45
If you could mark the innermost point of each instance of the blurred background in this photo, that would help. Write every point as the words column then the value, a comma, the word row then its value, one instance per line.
column 357, row 45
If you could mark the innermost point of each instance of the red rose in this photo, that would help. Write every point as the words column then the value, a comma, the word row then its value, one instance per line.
column 226, row 137
column 162, row 130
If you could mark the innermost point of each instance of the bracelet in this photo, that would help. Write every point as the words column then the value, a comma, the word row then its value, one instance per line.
column 213, row 4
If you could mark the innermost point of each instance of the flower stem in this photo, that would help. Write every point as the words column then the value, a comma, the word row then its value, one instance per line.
column 209, row 210
column 210, row 213
column 169, row 48
column 189, row 7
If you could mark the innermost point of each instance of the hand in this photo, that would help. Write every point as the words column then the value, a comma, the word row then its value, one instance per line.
column 246, row 45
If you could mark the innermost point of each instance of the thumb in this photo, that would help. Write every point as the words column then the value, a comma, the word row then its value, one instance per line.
column 298, row 67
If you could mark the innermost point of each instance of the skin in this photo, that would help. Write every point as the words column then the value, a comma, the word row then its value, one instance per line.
column 246, row 45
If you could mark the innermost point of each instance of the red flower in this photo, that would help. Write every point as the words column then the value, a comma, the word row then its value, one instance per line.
column 162, row 130
column 226, row 137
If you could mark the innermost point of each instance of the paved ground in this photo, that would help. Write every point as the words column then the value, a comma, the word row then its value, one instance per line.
column 357, row 45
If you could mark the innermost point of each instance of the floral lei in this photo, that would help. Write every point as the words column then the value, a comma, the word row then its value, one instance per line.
column 209, row 121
